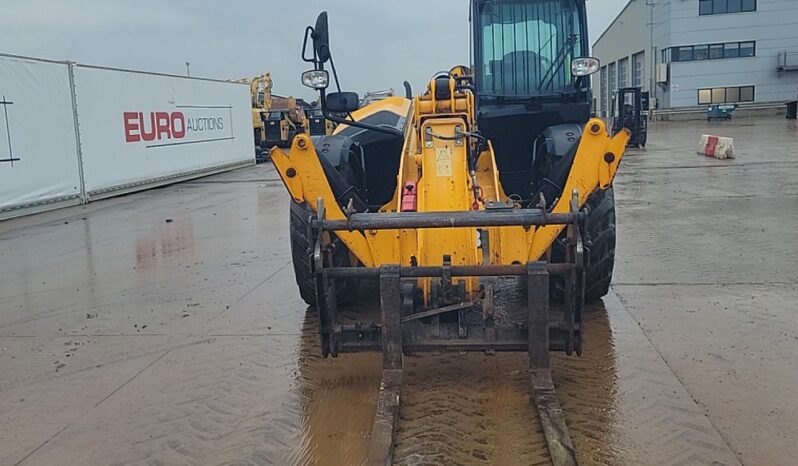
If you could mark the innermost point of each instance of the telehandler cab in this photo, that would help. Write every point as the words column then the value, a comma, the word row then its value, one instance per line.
column 495, row 171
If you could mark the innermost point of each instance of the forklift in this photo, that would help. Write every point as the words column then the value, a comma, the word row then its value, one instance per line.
column 629, row 105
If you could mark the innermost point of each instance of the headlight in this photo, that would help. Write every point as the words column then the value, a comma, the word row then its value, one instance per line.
column 584, row 66
column 316, row 79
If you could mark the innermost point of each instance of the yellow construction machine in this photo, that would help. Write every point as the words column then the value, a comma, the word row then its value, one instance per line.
column 494, row 171
column 375, row 96
column 260, row 88
column 318, row 125
column 286, row 119
column 275, row 119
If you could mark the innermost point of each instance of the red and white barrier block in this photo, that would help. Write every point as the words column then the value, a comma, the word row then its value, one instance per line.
column 716, row 146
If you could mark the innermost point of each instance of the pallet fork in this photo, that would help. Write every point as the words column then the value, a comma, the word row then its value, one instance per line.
column 398, row 315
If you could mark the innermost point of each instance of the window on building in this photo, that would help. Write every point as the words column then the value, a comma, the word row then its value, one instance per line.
column 638, row 69
column 709, row 51
column 747, row 49
column 747, row 94
column 623, row 72
column 704, row 96
column 684, row 54
column 719, row 95
column 719, row 7
column 726, row 95
column 612, row 71
column 732, row 94
column 734, row 6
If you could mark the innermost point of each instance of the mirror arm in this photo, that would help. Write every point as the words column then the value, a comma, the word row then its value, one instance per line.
column 382, row 129
column 308, row 34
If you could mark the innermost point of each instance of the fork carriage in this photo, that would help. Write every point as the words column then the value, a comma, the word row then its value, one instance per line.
column 451, row 321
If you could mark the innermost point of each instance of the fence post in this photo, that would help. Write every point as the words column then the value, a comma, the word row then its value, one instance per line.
column 84, row 197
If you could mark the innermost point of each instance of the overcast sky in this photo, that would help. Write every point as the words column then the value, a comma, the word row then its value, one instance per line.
column 376, row 44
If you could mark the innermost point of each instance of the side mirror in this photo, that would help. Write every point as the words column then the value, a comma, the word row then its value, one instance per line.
column 321, row 38
column 342, row 102
column 584, row 66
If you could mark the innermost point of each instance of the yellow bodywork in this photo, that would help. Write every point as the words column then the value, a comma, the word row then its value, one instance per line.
column 437, row 163
column 260, row 89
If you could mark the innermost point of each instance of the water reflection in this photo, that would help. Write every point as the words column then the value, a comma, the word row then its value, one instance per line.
column 339, row 398
column 587, row 387
column 167, row 241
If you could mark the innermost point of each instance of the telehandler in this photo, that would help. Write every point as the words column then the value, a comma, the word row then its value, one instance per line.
column 494, row 171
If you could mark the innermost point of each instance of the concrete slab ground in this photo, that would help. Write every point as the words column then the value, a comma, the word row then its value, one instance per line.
column 164, row 327
column 708, row 267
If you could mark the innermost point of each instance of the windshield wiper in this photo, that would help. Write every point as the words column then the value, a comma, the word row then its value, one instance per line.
column 567, row 46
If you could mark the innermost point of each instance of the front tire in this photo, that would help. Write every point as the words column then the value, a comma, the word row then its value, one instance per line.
column 301, row 255
column 599, row 239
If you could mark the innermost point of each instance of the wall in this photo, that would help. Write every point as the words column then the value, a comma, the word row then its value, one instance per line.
column 625, row 37
column 772, row 26
column 663, row 12
column 38, row 162
column 80, row 132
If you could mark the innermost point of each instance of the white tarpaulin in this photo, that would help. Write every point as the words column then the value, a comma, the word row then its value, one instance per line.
column 38, row 148
column 135, row 130
column 139, row 127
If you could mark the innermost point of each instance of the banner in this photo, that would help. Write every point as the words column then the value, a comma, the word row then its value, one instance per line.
column 38, row 147
column 140, row 127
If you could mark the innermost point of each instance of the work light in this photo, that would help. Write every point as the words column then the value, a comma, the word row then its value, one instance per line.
column 584, row 66
column 316, row 79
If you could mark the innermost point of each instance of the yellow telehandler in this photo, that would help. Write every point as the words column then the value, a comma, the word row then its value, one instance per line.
column 496, row 170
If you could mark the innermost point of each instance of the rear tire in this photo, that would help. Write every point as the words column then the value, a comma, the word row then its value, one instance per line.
column 599, row 239
column 301, row 255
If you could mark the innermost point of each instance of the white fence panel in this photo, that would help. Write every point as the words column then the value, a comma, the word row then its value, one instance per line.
column 38, row 147
column 139, row 128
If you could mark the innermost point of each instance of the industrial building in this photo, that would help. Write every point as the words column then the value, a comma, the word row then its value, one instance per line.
column 702, row 52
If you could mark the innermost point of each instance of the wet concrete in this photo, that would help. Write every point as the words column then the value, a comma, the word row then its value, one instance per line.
column 165, row 328
column 708, row 269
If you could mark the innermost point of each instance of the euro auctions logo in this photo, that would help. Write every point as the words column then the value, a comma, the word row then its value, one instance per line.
column 162, row 125
column 191, row 126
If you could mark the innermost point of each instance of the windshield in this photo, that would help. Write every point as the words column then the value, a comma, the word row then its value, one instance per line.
column 527, row 47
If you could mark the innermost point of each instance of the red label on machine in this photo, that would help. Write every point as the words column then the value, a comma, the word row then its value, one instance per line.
column 409, row 197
